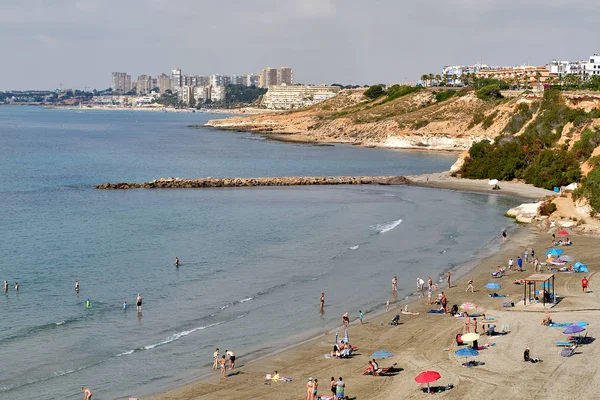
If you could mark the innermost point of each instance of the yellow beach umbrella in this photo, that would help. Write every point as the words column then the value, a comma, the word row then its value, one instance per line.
column 470, row 337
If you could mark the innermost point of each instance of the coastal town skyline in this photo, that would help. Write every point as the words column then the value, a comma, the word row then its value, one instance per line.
column 326, row 41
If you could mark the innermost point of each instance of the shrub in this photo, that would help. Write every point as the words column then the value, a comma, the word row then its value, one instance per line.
column 478, row 117
column 590, row 188
column 490, row 92
column 584, row 147
column 397, row 91
column 444, row 95
column 553, row 169
column 374, row 92
column 419, row 124
column 546, row 208
column 522, row 115
column 489, row 120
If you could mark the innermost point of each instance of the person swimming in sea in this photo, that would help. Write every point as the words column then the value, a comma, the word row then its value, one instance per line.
column 124, row 305
column 5, row 286
column 88, row 303
column 77, row 287
column 176, row 262
column 17, row 287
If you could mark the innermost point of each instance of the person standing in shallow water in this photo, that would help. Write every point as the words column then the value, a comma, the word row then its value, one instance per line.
column 223, row 363
column 216, row 359
column 322, row 302
column 87, row 393
column 394, row 284
column 448, row 278
column 77, row 287
column 139, row 303
column 504, row 236
column 17, row 287
column 176, row 262
column 5, row 286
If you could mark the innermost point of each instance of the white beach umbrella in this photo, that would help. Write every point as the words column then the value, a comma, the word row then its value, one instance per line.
column 493, row 182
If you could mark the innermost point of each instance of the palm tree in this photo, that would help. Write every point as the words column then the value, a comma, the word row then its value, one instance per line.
column 454, row 78
column 430, row 77
column 438, row 78
column 424, row 79
column 538, row 77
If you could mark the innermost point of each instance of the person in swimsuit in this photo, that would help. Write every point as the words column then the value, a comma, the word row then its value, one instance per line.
column 139, row 303
column 444, row 302
column 231, row 356
column 124, row 305
column 470, row 285
column 216, row 359
column 77, row 287
column 345, row 321
column 430, row 283
column 387, row 306
column 87, row 393
column 360, row 316
column 448, row 278
column 176, row 262
column 584, row 284
column 5, row 286
column 467, row 323
column 223, row 363
column 504, row 236
column 322, row 300
column 17, row 287
column 394, row 284
column 309, row 389
column 315, row 388
column 332, row 385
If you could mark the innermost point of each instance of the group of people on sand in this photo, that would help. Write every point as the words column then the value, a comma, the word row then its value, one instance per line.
column 220, row 361
column 6, row 287
column 337, row 388
column 560, row 242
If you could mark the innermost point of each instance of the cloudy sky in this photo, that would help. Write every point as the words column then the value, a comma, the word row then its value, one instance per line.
column 78, row 43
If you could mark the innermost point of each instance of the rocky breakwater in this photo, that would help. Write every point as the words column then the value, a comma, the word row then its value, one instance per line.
column 178, row 183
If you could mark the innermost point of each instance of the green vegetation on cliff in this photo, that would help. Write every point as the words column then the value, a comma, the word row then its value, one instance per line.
column 531, row 156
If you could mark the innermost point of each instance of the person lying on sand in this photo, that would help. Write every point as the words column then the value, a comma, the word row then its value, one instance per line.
column 547, row 320
column 370, row 370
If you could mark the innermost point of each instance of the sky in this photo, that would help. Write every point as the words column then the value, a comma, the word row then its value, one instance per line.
column 78, row 43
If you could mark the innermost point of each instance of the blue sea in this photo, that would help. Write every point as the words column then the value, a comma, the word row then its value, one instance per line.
column 253, row 260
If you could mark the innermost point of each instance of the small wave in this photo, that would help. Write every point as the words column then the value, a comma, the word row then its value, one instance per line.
column 60, row 323
column 354, row 247
column 386, row 227
column 179, row 335
column 126, row 353
column 246, row 299
column 225, row 306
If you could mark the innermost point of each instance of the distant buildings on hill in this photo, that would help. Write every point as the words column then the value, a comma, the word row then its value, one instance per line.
column 194, row 88
column 585, row 69
column 286, row 97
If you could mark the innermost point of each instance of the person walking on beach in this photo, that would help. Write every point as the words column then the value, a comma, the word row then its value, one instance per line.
column 345, row 321
column 87, row 393
column 553, row 239
column 532, row 253
column 504, row 235
column 394, row 284
column 448, row 278
column 77, row 287
column 322, row 302
column 470, row 285
column 511, row 262
column 520, row 263
column 339, row 389
column 444, row 302
column 216, row 359
column 315, row 389
column 138, row 303
column 584, row 284
column 360, row 316
column 526, row 254
column 223, row 363
column 420, row 286
column 387, row 306
column 430, row 283
column 309, row 389
column 176, row 262
column 536, row 264
column 231, row 355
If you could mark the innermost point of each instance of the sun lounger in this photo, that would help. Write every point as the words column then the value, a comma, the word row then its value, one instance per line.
column 566, row 324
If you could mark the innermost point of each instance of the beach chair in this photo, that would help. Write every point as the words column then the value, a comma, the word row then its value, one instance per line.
column 568, row 352
column 505, row 329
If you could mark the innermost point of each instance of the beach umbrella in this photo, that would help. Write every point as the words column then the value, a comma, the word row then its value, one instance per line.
column 575, row 328
column 346, row 338
column 562, row 233
column 381, row 354
column 557, row 262
column 493, row 182
column 427, row 377
column 566, row 258
column 470, row 337
column 466, row 352
column 554, row 252
column 468, row 306
column 492, row 285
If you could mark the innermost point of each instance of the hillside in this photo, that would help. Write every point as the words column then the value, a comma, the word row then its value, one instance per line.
column 429, row 119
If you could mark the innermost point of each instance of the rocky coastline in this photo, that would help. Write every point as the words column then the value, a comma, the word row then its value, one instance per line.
column 178, row 183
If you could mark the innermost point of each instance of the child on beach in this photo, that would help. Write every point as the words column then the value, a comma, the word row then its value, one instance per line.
column 387, row 305
column 360, row 316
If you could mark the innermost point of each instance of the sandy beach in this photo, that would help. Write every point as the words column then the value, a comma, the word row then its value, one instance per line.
column 427, row 341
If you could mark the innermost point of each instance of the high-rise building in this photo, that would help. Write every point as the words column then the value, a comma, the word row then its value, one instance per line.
column 176, row 79
column 220, row 80
column 251, row 79
column 164, row 82
column 217, row 93
column 121, row 82
column 144, row 84
column 286, row 75
column 237, row 80
column 268, row 77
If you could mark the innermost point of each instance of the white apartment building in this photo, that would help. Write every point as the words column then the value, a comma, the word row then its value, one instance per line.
column 202, row 93
column 217, row 93
column 284, row 97
column 584, row 68
column 176, row 80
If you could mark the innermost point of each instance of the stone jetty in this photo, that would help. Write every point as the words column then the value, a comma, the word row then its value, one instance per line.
column 178, row 183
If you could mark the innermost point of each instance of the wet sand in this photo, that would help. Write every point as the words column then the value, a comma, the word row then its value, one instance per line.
column 427, row 342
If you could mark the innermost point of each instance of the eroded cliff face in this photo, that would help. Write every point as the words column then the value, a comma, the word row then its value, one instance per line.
column 414, row 121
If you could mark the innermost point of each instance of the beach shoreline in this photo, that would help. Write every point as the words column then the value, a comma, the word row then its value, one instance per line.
column 190, row 388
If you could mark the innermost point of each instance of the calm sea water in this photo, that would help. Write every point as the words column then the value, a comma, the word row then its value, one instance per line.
column 253, row 261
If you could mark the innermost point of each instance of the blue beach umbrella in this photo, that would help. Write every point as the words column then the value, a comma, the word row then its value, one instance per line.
column 381, row 354
column 554, row 252
column 492, row 285
column 466, row 352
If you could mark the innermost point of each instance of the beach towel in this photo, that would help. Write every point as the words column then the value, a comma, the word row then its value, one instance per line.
column 435, row 311
column 564, row 343
column 566, row 324
column 324, row 398
column 269, row 377
column 496, row 295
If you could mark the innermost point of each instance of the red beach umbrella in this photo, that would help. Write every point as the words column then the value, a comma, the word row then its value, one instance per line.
column 562, row 233
column 427, row 377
